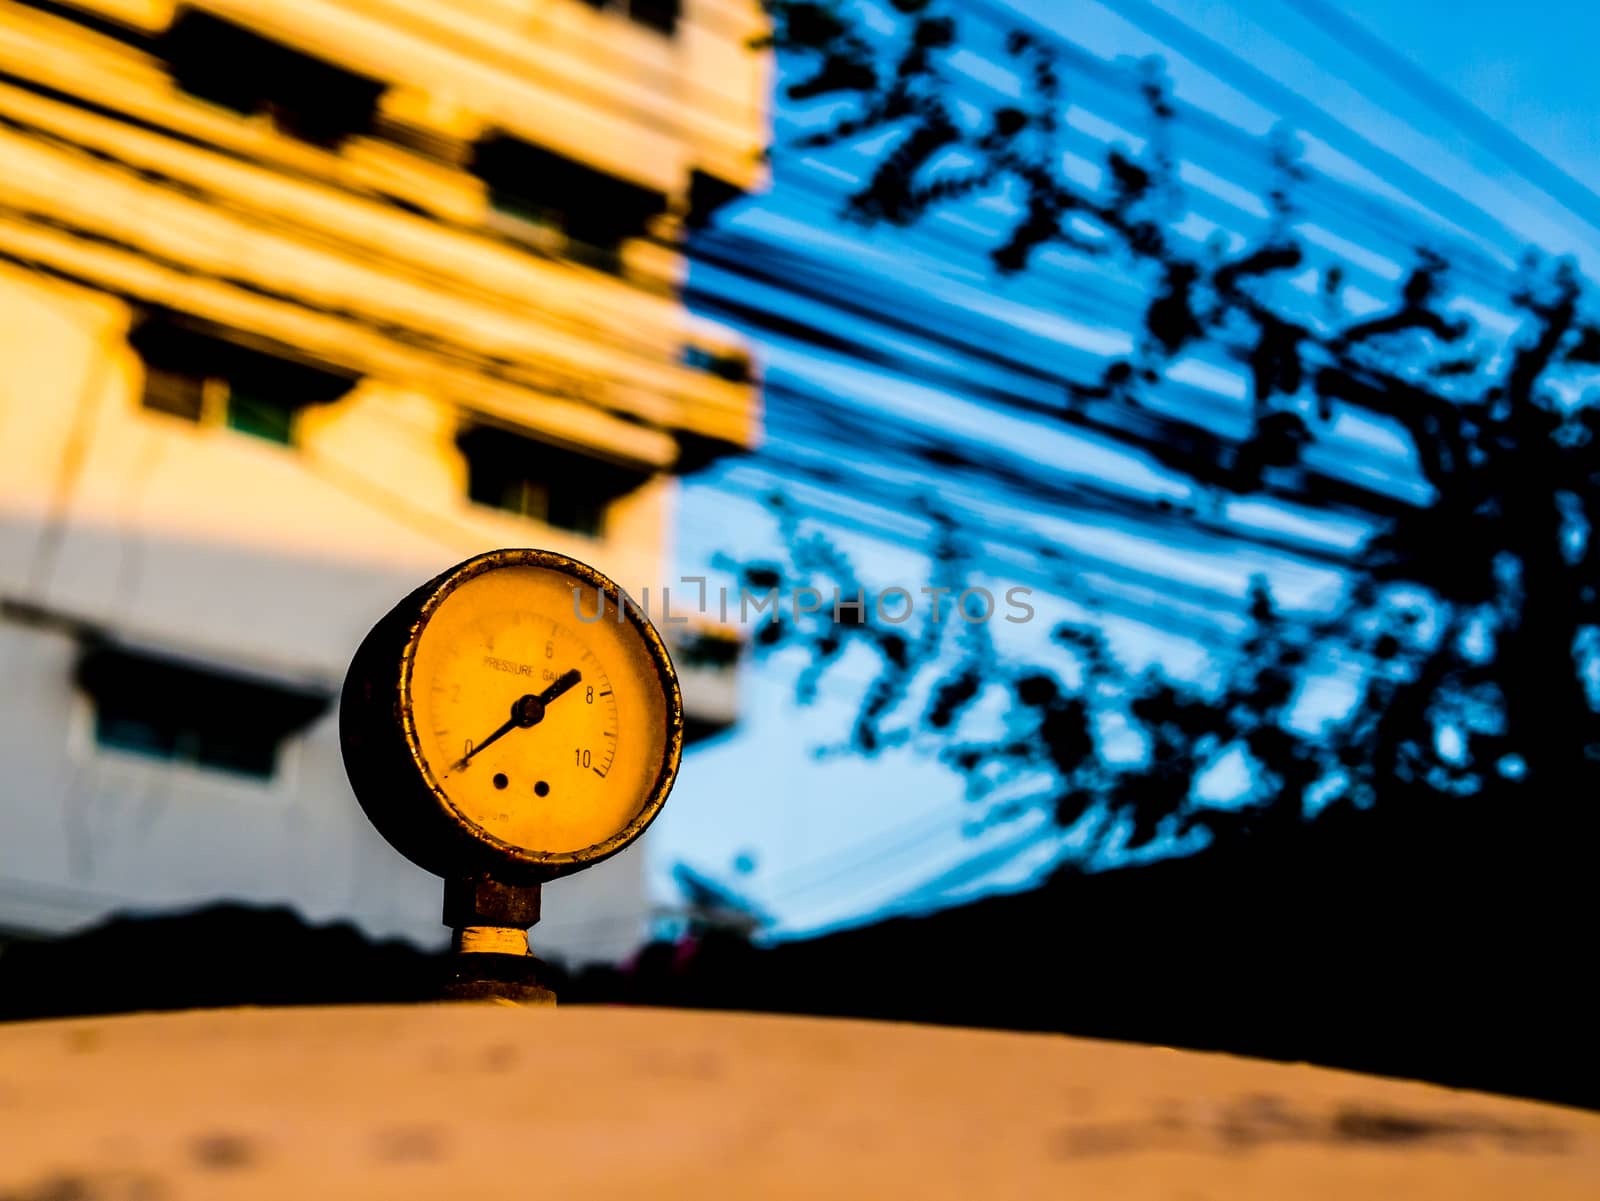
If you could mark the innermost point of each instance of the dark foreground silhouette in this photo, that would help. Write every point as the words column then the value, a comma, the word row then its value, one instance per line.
column 1403, row 955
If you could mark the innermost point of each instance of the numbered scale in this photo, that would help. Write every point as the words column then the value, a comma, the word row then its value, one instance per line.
column 513, row 720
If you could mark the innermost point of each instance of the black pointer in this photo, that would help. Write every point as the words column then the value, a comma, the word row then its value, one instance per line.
column 565, row 683
column 526, row 712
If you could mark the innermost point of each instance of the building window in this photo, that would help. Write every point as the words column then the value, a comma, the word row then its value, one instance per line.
column 533, row 479
column 162, row 709
column 729, row 365
column 266, row 416
column 207, row 379
column 659, row 15
column 707, row 196
column 596, row 212
column 174, row 392
column 305, row 97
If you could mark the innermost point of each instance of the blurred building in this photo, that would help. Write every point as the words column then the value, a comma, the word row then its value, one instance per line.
column 303, row 302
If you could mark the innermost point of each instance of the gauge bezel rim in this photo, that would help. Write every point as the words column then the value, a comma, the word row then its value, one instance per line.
column 554, row 862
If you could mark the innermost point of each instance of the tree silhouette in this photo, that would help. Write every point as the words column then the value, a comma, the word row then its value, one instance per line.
column 1471, row 621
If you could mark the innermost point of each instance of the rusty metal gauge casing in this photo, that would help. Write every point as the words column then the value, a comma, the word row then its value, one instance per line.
column 516, row 717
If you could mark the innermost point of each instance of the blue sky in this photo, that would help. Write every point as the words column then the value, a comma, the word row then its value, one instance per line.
column 1530, row 67
column 833, row 840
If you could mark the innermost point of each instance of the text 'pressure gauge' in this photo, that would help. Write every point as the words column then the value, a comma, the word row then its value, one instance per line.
column 513, row 720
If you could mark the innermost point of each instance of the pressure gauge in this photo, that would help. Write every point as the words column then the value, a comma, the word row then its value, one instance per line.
column 516, row 717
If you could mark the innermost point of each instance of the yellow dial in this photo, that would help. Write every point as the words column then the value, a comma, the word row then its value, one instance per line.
column 544, row 730
column 516, row 715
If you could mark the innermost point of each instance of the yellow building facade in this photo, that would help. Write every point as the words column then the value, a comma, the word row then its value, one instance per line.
column 302, row 302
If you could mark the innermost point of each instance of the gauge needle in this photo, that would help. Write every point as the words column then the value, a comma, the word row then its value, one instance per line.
column 526, row 712
column 565, row 683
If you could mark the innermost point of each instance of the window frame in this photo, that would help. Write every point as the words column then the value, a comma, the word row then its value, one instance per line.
column 544, row 198
column 496, row 447
column 289, row 712
column 177, row 356
column 323, row 103
column 626, row 8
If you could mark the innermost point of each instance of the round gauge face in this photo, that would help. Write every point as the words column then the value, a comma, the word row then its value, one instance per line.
column 541, row 709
